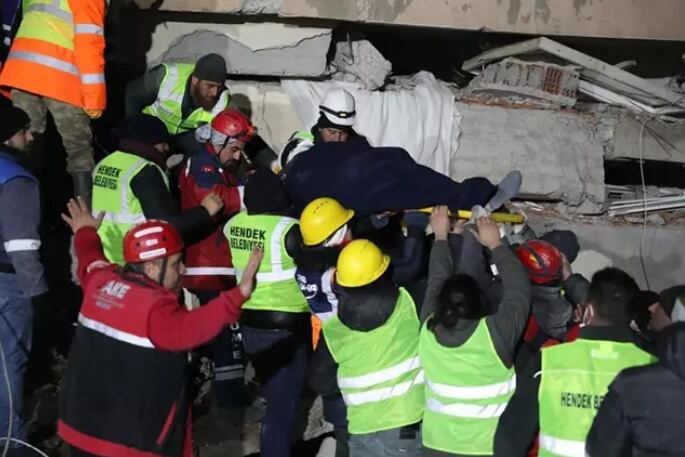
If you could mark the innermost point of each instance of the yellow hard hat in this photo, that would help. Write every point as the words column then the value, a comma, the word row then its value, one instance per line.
column 360, row 263
column 321, row 218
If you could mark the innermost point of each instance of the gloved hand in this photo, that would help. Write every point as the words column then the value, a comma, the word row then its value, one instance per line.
column 94, row 113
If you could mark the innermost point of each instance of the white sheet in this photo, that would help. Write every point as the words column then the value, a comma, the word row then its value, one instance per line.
column 417, row 114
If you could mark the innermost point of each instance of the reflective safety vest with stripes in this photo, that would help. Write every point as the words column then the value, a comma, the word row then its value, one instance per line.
column 112, row 194
column 574, row 380
column 378, row 371
column 276, row 288
column 467, row 389
column 58, row 52
column 169, row 103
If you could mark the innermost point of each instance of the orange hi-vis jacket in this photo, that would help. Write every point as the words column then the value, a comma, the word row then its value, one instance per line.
column 58, row 52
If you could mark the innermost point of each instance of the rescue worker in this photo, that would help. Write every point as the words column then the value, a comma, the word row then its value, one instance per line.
column 134, row 401
column 275, row 321
column 644, row 411
column 22, row 279
column 56, row 64
column 668, row 309
column 130, row 186
column 468, row 358
column 182, row 95
column 556, row 292
column 337, row 115
column 374, row 340
column 565, row 384
column 212, row 167
column 325, row 228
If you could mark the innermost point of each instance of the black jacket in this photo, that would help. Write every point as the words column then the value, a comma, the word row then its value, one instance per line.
column 644, row 412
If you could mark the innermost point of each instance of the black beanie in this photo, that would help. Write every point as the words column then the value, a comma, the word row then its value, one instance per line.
column 565, row 241
column 211, row 67
column 142, row 128
column 265, row 193
column 12, row 120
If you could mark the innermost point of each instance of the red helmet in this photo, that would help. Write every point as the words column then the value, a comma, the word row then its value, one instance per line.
column 230, row 125
column 151, row 240
column 541, row 260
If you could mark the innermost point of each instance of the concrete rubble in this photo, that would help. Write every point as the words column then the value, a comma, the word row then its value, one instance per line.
column 359, row 61
column 264, row 49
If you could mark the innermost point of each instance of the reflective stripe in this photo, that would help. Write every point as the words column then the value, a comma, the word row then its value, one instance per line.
column 271, row 277
column 327, row 288
column 51, row 62
column 237, row 366
column 376, row 395
column 241, row 193
column 276, row 258
column 22, row 245
column 326, row 316
column 6, row 27
column 229, row 375
column 209, row 271
column 97, row 265
column 51, row 9
column 93, row 78
column 114, row 333
column 466, row 410
column 92, row 29
column 475, row 392
column 566, row 448
column 380, row 376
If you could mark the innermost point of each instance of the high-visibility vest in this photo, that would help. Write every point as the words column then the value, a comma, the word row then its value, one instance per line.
column 58, row 52
column 379, row 373
column 574, row 380
column 276, row 288
column 467, row 390
column 168, row 106
column 112, row 195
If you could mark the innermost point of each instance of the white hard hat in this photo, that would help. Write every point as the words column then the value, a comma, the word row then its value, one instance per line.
column 338, row 106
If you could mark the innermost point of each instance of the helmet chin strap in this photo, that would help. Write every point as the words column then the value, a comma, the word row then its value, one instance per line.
column 162, row 274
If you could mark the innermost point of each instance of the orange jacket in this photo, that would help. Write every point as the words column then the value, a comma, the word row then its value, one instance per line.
column 58, row 52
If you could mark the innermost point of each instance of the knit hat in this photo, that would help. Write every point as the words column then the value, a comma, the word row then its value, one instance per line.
column 565, row 241
column 211, row 67
column 265, row 193
column 12, row 120
column 142, row 128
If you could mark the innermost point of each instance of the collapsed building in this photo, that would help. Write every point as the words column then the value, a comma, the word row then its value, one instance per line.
column 600, row 147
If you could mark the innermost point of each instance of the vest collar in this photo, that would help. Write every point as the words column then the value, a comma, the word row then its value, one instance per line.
column 12, row 154
column 616, row 334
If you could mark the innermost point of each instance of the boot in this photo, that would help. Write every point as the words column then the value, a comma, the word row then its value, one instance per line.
column 83, row 185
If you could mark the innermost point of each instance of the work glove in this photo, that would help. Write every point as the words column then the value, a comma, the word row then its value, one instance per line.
column 94, row 113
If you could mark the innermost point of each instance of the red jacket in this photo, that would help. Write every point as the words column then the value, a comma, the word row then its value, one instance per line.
column 125, row 389
column 208, row 259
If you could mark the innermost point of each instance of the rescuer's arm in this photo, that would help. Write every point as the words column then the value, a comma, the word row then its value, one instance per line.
column 89, row 53
column 173, row 328
column 518, row 425
column 142, row 92
column 441, row 264
column 87, row 244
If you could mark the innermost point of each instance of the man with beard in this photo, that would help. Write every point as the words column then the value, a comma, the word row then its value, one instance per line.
column 22, row 280
column 183, row 96
column 211, row 166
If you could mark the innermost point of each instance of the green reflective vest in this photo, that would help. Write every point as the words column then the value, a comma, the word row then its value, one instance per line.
column 168, row 106
column 467, row 390
column 574, row 380
column 277, row 289
column 112, row 195
column 378, row 371
column 48, row 20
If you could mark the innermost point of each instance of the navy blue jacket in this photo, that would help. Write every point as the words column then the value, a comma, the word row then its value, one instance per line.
column 372, row 180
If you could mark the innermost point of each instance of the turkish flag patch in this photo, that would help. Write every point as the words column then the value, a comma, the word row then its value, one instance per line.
column 208, row 169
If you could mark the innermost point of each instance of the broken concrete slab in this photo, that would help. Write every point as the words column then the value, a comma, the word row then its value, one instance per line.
column 555, row 83
column 557, row 152
column 265, row 49
column 594, row 71
column 360, row 61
